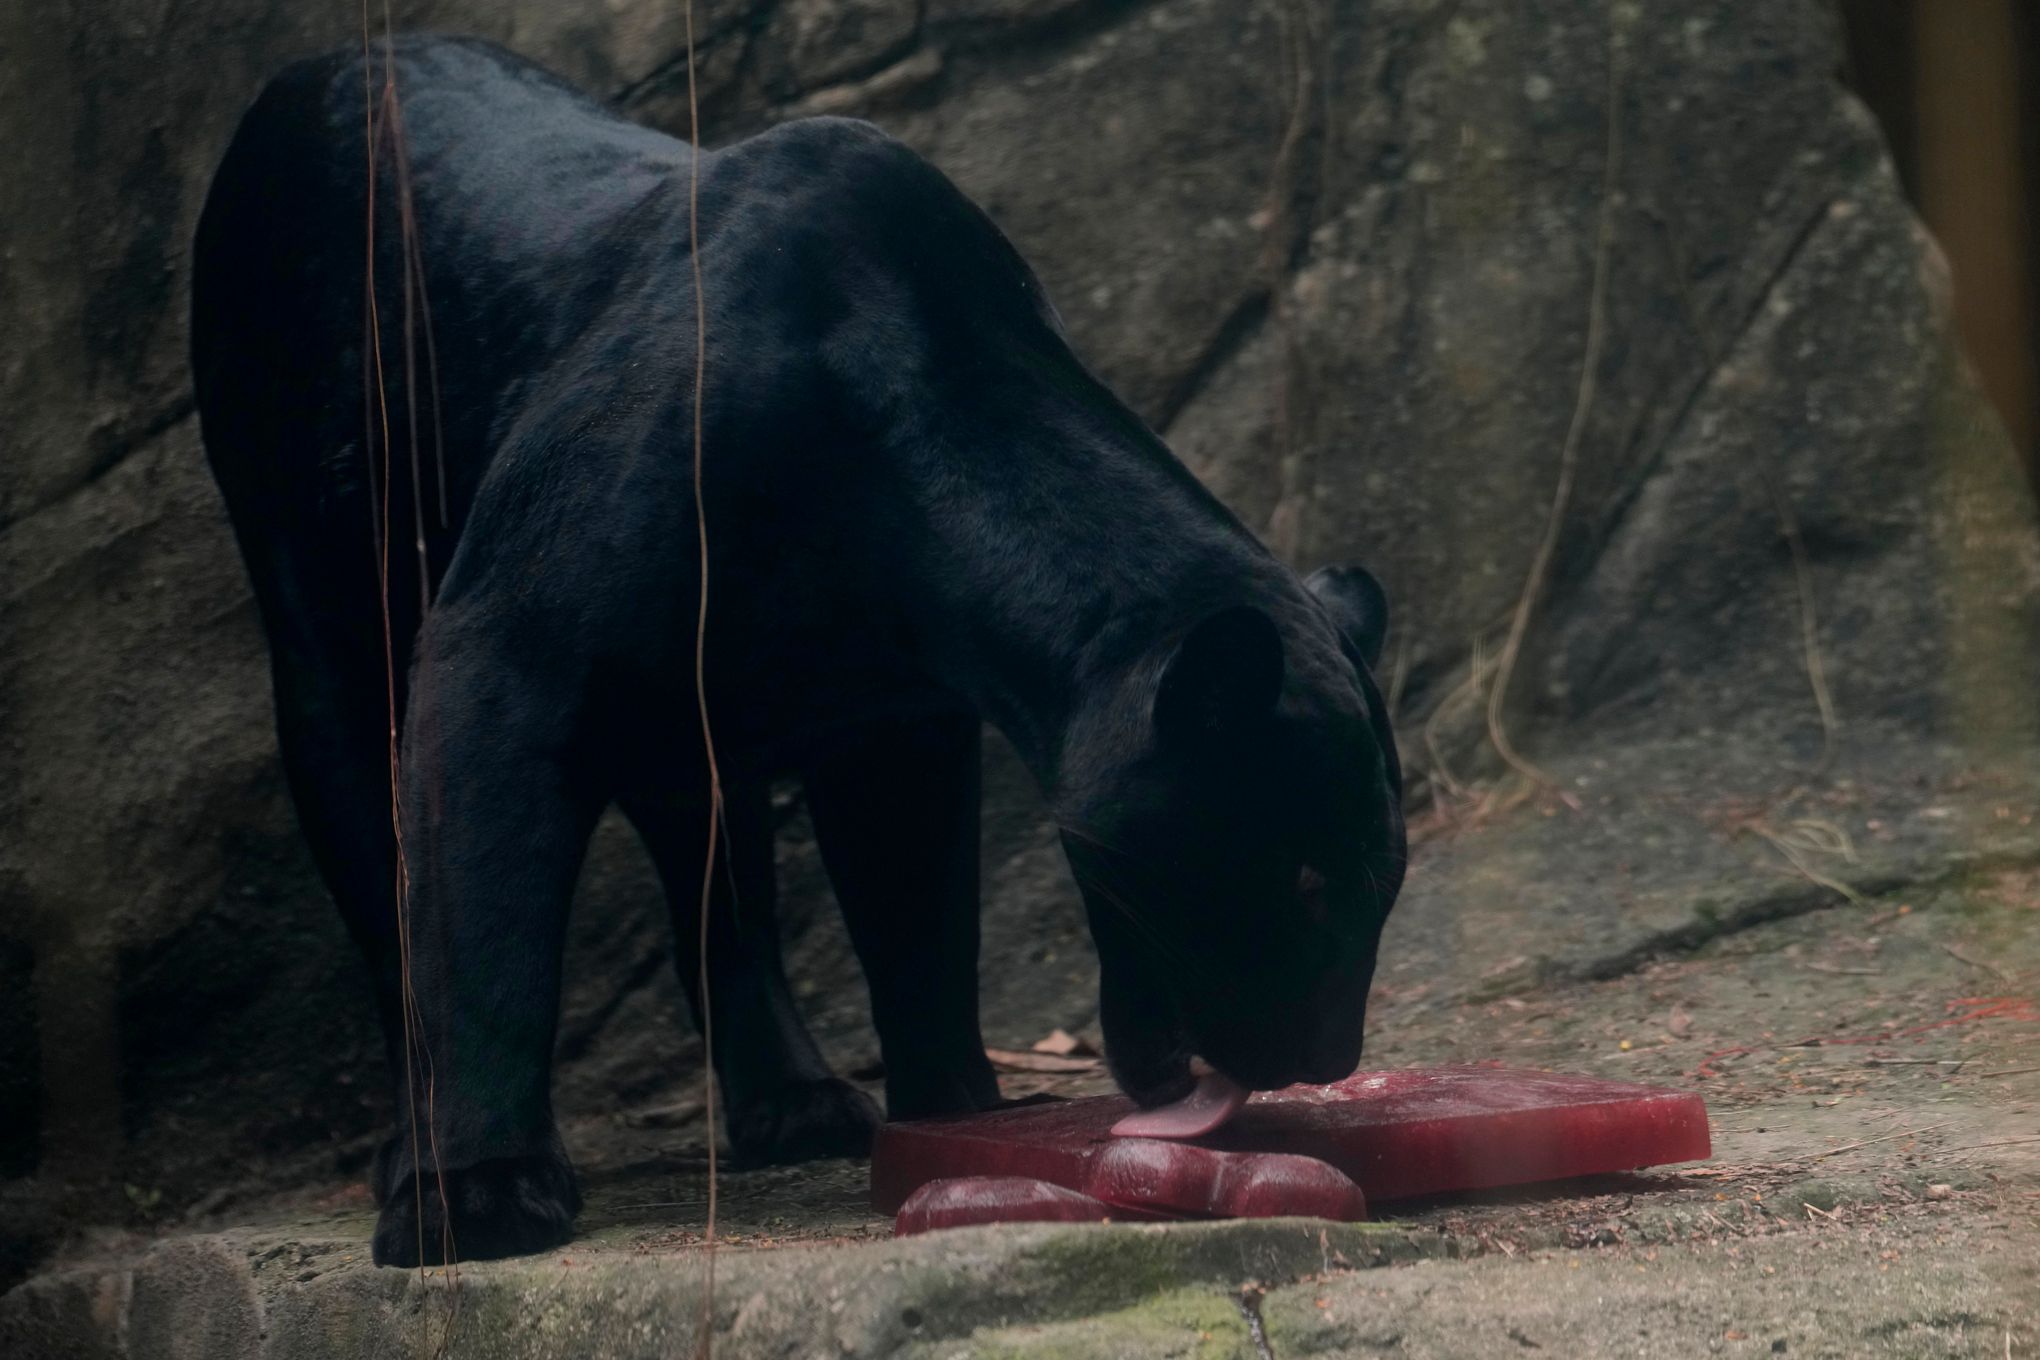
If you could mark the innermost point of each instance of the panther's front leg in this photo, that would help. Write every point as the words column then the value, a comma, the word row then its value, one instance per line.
column 895, row 810
column 496, row 817
column 781, row 1103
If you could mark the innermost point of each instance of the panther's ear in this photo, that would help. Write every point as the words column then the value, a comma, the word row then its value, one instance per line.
column 1357, row 604
column 1226, row 672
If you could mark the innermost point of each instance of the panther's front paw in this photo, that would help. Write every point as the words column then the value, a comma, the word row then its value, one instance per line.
column 935, row 1090
column 511, row 1206
column 801, row 1121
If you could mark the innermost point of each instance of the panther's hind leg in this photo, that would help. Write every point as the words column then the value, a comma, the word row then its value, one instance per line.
column 500, row 793
column 332, row 724
column 895, row 809
column 331, row 672
column 781, row 1103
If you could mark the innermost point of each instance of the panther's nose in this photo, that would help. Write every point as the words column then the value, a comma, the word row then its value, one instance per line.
column 1334, row 1051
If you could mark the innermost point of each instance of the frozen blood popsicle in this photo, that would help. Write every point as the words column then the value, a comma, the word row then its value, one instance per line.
column 1394, row 1134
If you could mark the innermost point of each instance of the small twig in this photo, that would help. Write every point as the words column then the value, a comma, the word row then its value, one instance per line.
column 1819, row 834
column 1880, row 1138
column 1914, row 1062
column 1985, row 965
column 1851, row 972
column 1792, row 844
column 2008, row 1072
column 1812, row 1209
column 1477, row 667
column 661, row 1204
column 1809, row 632
column 1999, row 1142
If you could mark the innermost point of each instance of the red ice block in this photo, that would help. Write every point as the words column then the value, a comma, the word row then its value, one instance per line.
column 1395, row 1134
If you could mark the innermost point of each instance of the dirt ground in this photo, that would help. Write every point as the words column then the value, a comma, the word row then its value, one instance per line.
column 1860, row 1016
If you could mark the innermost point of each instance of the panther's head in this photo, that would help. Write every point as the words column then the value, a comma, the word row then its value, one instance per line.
column 1233, row 812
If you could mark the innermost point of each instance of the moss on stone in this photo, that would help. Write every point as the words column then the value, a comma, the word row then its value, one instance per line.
column 1195, row 1324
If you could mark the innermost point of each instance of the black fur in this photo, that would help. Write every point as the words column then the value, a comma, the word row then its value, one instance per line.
column 923, row 512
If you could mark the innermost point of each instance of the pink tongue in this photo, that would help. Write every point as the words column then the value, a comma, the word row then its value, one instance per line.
column 1215, row 1099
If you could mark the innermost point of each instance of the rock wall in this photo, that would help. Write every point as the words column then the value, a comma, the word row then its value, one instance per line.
column 1342, row 254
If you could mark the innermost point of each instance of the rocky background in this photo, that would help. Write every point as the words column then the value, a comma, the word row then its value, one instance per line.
column 1617, row 300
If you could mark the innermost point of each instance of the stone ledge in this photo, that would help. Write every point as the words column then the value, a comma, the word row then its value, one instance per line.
column 236, row 1296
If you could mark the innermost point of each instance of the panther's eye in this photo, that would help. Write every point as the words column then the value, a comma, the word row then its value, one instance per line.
column 1310, row 891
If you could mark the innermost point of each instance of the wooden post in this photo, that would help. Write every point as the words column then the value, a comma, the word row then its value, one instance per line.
column 1966, row 93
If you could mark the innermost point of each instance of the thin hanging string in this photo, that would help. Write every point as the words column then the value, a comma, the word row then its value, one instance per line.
column 380, row 400
column 417, row 1057
column 377, row 400
column 705, row 1346
column 415, row 294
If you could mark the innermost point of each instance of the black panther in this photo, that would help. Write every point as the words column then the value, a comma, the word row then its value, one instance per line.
column 923, row 513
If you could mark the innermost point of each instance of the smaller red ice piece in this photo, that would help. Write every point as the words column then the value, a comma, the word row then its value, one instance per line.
column 961, row 1201
column 1141, row 1180
column 1199, row 1182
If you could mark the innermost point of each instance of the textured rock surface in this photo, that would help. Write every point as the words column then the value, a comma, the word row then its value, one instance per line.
column 1341, row 253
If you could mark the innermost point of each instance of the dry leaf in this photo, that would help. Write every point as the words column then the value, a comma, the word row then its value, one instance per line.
column 1064, row 1044
column 1679, row 1023
column 677, row 1115
column 1015, row 1061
